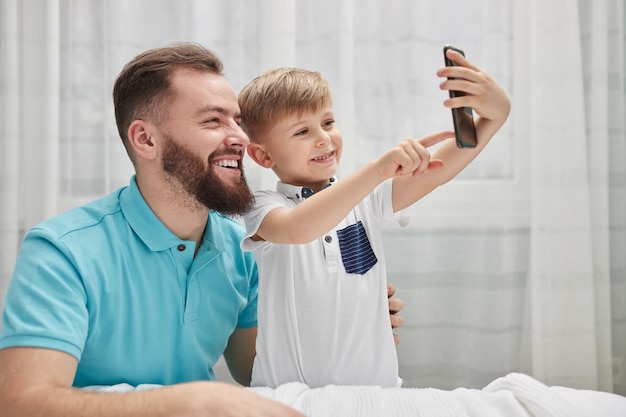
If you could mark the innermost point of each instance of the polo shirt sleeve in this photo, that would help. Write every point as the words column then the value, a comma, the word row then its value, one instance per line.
column 46, row 303
column 381, row 203
column 265, row 201
column 248, row 316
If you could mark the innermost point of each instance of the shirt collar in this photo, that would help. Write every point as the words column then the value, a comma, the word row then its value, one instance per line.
column 147, row 225
column 298, row 192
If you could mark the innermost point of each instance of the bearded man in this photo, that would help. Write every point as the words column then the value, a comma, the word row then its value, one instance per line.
column 147, row 285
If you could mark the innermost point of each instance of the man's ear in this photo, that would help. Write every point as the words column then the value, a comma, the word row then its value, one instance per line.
column 259, row 155
column 141, row 140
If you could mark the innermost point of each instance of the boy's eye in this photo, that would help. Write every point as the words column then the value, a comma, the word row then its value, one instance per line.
column 302, row 132
column 329, row 123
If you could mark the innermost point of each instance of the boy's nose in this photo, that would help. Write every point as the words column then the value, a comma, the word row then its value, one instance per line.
column 323, row 139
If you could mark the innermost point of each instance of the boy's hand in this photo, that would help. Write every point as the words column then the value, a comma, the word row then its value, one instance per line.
column 411, row 156
column 483, row 94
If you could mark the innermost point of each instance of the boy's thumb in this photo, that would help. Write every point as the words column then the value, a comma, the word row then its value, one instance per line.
column 435, row 164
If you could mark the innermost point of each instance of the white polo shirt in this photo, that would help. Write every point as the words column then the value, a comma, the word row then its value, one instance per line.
column 318, row 323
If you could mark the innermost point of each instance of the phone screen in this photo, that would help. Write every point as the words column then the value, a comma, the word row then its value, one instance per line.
column 462, row 117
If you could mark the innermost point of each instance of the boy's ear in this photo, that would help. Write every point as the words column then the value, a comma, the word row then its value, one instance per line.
column 259, row 155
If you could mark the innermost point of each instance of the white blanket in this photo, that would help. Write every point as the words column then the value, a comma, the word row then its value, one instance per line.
column 515, row 395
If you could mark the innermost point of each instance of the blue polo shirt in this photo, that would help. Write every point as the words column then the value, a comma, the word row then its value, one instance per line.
column 109, row 284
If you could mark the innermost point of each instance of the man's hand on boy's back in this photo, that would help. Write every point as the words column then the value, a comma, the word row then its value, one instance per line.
column 395, row 305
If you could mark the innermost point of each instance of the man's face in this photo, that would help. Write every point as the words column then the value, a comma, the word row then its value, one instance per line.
column 203, row 144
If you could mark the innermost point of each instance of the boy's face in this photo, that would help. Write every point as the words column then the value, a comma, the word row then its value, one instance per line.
column 304, row 149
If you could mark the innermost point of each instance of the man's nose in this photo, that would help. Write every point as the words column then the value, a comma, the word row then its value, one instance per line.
column 237, row 137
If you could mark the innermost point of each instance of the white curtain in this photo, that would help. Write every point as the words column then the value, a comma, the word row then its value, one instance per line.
column 518, row 264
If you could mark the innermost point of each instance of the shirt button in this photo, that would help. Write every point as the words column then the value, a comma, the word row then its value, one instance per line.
column 328, row 239
column 181, row 247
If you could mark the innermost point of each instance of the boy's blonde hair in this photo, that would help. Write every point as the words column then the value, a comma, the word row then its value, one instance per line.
column 279, row 93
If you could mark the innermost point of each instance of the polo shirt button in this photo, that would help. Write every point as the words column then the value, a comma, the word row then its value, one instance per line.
column 181, row 247
column 328, row 239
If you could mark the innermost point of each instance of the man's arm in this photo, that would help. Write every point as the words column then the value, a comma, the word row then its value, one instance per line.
column 239, row 354
column 37, row 382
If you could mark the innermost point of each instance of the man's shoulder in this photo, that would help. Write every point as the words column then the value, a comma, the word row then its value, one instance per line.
column 81, row 218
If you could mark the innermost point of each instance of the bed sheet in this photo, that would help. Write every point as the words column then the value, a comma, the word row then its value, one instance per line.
column 514, row 395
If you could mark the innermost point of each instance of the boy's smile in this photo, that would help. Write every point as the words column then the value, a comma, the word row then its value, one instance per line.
column 327, row 157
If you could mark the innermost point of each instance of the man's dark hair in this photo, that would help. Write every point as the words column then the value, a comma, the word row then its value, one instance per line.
column 144, row 83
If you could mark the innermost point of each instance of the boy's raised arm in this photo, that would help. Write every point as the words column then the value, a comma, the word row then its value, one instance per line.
column 487, row 98
column 324, row 210
column 415, row 172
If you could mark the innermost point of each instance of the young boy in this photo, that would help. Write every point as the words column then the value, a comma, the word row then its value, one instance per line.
column 323, row 313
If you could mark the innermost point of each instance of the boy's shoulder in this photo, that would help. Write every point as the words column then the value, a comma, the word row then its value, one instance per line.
column 265, row 197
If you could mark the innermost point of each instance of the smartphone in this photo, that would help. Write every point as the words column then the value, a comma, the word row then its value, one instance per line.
column 462, row 117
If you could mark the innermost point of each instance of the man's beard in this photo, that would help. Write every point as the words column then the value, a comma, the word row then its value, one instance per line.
column 203, row 183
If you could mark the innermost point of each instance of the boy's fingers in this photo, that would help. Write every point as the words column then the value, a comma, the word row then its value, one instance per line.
column 435, row 164
column 460, row 59
column 435, row 138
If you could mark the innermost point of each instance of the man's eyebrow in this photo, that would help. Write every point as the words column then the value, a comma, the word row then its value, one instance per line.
column 215, row 109
column 211, row 109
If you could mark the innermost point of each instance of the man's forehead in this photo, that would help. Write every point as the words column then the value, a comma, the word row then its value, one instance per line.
column 210, row 91
column 191, row 78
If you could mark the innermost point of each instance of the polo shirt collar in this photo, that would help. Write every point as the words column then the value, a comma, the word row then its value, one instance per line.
column 298, row 192
column 144, row 222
